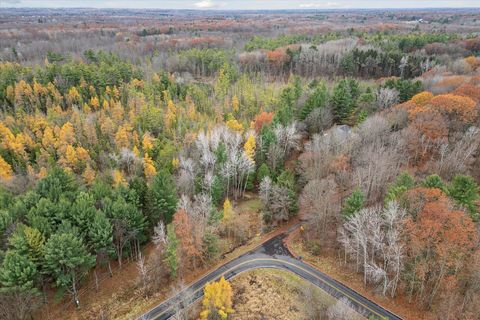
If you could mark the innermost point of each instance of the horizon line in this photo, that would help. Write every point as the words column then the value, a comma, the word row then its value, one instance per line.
column 226, row 9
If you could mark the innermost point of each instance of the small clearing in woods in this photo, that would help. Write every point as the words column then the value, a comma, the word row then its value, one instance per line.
column 280, row 295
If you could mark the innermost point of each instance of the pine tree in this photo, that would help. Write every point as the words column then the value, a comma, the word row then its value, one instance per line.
column 163, row 197
column 18, row 272
column 83, row 212
column 100, row 234
column 171, row 254
column 318, row 99
column 28, row 241
column 67, row 261
column 353, row 203
column 341, row 101
column 434, row 181
column 464, row 191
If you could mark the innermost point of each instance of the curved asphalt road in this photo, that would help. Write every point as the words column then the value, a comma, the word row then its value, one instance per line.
column 271, row 254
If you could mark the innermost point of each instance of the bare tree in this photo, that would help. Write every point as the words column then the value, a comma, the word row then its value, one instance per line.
column 143, row 274
column 320, row 200
column 342, row 310
column 18, row 304
column 387, row 98
column 373, row 237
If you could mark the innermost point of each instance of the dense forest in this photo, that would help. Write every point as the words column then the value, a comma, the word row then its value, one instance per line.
column 114, row 136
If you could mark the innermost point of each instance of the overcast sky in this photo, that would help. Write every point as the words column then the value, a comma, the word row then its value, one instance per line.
column 241, row 4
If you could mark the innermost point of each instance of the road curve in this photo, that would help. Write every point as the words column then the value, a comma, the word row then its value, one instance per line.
column 271, row 254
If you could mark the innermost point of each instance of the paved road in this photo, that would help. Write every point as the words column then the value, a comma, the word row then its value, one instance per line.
column 272, row 254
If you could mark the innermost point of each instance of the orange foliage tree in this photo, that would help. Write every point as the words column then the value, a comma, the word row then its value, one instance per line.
column 185, row 234
column 439, row 242
column 262, row 119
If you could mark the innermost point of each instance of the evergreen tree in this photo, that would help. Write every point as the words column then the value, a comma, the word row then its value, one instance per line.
column 128, row 226
column 318, row 99
column 29, row 242
column 171, row 253
column 342, row 101
column 434, row 181
column 67, row 260
column 464, row 191
column 18, row 272
column 164, row 198
column 262, row 172
column 57, row 183
column 101, row 237
column 353, row 203
column 402, row 183
column 83, row 213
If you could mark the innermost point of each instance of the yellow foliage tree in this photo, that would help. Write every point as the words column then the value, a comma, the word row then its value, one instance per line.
column 88, row 175
column 122, row 136
column 82, row 154
column 148, row 167
column 118, row 178
column 234, row 125
column 175, row 163
column 11, row 142
column 94, row 103
column 249, row 147
column 235, row 103
column 48, row 139
column 227, row 210
column 105, row 105
column 66, row 136
column 171, row 114
column 71, row 156
column 6, row 171
column 217, row 300
column 73, row 97
column 147, row 142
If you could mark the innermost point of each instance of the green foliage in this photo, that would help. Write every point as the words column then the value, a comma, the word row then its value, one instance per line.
column 258, row 42
column 100, row 234
column 217, row 190
column 210, row 246
column 163, row 197
column 318, row 99
column 353, row 203
column 29, row 242
column 267, row 137
column 262, row 172
column 343, row 99
column 406, row 88
column 286, row 179
column 131, row 220
column 402, row 183
column 464, row 190
column 203, row 61
column 57, row 183
column 83, row 212
column 171, row 254
column 434, row 181
column 67, row 259
column 17, row 272
column 285, row 110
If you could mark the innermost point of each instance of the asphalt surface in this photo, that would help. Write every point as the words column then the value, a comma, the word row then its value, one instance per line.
column 271, row 254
